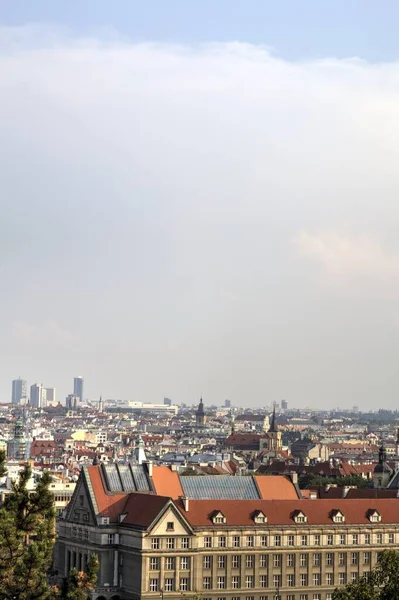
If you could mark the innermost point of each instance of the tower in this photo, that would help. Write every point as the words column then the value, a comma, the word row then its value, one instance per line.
column 100, row 405
column 139, row 452
column 382, row 471
column 200, row 417
column 78, row 388
column 38, row 396
column 19, row 391
column 274, row 435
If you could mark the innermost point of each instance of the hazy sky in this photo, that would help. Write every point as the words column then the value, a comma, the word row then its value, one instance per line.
column 201, row 202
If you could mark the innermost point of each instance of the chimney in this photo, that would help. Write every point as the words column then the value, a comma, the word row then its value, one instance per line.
column 185, row 501
column 294, row 477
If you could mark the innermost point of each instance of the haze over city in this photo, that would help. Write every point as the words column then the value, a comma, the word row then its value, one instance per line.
column 200, row 210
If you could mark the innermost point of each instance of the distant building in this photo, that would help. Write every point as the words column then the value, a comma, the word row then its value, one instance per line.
column 200, row 417
column 71, row 401
column 167, row 402
column 284, row 404
column 19, row 391
column 16, row 447
column 50, row 397
column 251, row 421
column 227, row 403
column 78, row 387
column 38, row 396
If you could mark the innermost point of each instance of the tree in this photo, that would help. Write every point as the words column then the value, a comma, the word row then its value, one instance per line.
column 27, row 538
column 382, row 584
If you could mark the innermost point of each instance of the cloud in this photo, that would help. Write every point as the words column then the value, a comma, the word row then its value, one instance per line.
column 341, row 255
column 150, row 194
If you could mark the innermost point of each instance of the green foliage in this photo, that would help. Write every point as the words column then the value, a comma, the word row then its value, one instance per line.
column 306, row 481
column 383, row 583
column 27, row 537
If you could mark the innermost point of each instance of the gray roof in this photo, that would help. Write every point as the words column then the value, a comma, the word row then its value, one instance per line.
column 125, row 478
column 220, row 487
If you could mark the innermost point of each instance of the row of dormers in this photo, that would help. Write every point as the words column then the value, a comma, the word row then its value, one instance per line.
column 298, row 516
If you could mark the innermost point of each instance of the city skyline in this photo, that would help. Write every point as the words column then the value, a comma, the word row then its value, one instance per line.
column 220, row 208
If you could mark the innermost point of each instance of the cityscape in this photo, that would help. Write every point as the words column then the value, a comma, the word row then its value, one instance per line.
column 199, row 285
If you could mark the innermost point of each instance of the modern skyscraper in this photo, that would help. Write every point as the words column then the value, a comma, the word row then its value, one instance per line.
column 284, row 404
column 19, row 390
column 38, row 396
column 50, row 396
column 78, row 387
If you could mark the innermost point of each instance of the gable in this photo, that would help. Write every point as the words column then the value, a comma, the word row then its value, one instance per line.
column 171, row 517
column 80, row 508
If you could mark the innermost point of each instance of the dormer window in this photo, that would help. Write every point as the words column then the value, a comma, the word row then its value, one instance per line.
column 374, row 516
column 299, row 517
column 259, row 517
column 337, row 516
column 218, row 518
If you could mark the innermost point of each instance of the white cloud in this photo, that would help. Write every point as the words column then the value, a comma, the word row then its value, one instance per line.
column 149, row 197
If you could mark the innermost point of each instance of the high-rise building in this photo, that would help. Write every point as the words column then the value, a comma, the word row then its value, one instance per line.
column 71, row 401
column 38, row 396
column 284, row 404
column 167, row 402
column 227, row 403
column 78, row 388
column 50, row 396
column 19, row 391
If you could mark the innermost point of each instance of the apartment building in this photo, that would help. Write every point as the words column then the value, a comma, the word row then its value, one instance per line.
column 218, row 538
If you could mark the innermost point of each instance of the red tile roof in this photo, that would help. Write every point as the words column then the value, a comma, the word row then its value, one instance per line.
column 276, row 487
column 166, row 482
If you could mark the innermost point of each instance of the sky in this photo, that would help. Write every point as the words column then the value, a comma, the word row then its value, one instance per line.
column 201, row 199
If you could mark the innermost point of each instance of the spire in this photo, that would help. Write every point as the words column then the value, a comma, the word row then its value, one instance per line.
column 273, row 424
column 200, row 410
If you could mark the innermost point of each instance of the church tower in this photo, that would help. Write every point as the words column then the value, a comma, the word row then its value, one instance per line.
column 200, row 417
column 274, row 435
column 382, row 471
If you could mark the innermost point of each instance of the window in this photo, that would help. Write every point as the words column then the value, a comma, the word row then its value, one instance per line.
column 300, row 517
column 263, row 560
column 111, row 538
column 316, row 597
column 290, row 580
column 263, row 581
column 219, row 518
column 249, row 561
column 353, row 576
column 221, row 562
column 342, row 578
column 207, row 583
column 235, row 582
column 250, row 541
column 221, row 582
column 329, row 579
column 185, row 563
column 317, row 539
column 184, row 584
column 290, row 540
column 207, row 562
column 155, row 544
column 366, row 576
column 169, row 585
column 154, row 564
column 170, row 543
column 367, row 538
column 290, row 597
column 355, row 539
column 316, row 559
column 290, row 560
column 304, row 579
column 249, row 581
column 185, row 543
column 354, row 558
column 86, row 534
column 329, row 559
column 342, row 539
column 341, row 558
column 235, row 562
column 207, row 541
column 304, row 540
column 303, row 560
column 367, row 558
column 330, row 539
column 236, row 541
column 379, row 538
column 303, row 597
column 276, row 581
column 338, row 517
column 170, row 526
column 316, row 578
column 154, row 585
column 222, row 541
column 391, row 538
column 277, row 540
column 169, row 563
column 263, row 540
column 277, row 560
column 260, row 517
column 374, row 516
column 328, row 596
